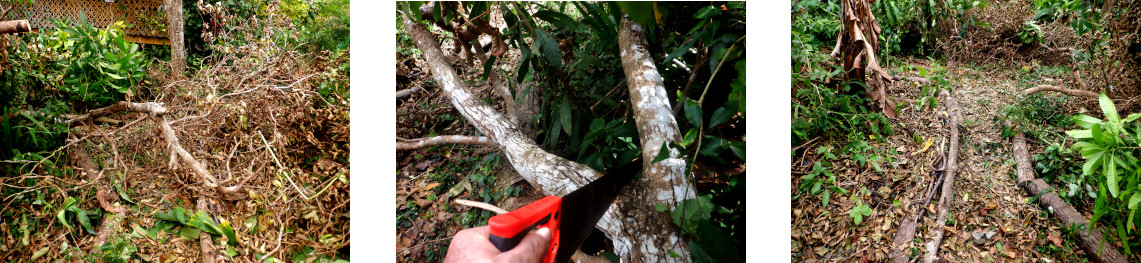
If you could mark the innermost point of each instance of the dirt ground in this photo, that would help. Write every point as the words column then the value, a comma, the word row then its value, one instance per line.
column 986, row 198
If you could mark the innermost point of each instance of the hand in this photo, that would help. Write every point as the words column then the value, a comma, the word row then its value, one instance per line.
column 474, row 245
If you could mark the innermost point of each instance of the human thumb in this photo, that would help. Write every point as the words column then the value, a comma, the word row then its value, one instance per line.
column 531, row 249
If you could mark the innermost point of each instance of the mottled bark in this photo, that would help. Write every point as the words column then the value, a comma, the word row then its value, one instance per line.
column 1090, row 241
column 14, row 26
column 623, row 223
column 666, row 180
column 174, row 25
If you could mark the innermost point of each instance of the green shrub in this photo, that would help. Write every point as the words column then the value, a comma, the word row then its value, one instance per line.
column 98, row 66
column 1109, row 148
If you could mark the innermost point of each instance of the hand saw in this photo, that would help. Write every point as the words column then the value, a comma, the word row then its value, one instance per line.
column 570, row 218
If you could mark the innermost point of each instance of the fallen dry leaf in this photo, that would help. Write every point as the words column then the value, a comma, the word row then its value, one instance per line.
column 1055, row 238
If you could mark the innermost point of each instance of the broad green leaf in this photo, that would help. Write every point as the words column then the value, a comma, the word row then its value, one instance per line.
column 596, row 124
column 690, row 136
column 189, row 232
column 721, row 115
column 1085, row 121
column 738, row 93
column 1092, row 163
column 1109, row 109
column 558, row 20
column 692, row 112
column 549, row 47
column 487, row 66
column 1097, row 134
column 706, row 12
column 1111, row 178
column 1080, row 134
column 522, row 73
column 228, row 231
column 738, row 149
column 81, row 216
column 1132, row 117
column 641, row 12
column 565, row 115
column 663, row 153
column 826, row 198
column 477, row 9
column 1136, row 198
column 62, row 214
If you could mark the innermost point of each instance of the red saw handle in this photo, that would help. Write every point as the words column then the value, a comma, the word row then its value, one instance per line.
column 507, row 230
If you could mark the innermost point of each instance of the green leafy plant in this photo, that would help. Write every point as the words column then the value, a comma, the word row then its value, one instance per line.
column 1109, row 148
column 99, row 65
column 821, row 181
column 1031, row 33
column 859, row 212
column 194, row 222
column 70, row 212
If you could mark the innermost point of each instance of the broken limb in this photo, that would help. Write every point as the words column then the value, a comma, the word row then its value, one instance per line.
column 442, row 139
column 947, row 194
column 553, row 174
column 15, row 26
column 1089, row 239
column 400, row 94
column 912, row 79
column 1067, row 91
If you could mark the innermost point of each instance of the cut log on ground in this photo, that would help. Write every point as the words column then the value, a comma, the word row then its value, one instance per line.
column 442, row 139
column 1089, row 240
column 554, row 175
column 947, row 194
column 1067, row 91
column 15, row 26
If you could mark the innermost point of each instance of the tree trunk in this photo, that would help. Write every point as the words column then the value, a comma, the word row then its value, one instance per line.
column 174, row 25
column 1090, row 240
column 666, row 180
column 552, row 174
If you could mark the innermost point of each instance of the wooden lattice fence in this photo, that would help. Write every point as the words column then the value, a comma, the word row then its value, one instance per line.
column 145, row 19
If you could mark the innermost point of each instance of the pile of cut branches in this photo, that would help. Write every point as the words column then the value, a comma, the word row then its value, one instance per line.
column 248, row 143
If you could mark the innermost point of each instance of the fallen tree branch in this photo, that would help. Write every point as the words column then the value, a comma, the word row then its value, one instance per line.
column 906, row 230
column 442, row 139
column 208, row 254
column 481, row 205
column 552, row 174
column 1090, row 240
column 400, row 94
column 945, row 197
column 157, row 111
column 15, row 26
column 112, row 222
column 912, row 79
column 1067, row 91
